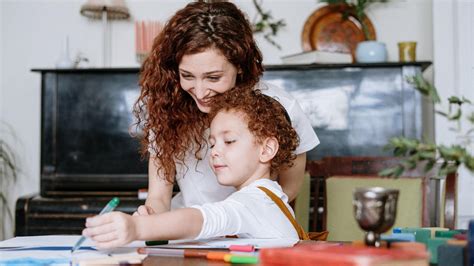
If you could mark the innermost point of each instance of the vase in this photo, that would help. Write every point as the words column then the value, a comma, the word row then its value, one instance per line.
column 64, row 60
column 371, row 52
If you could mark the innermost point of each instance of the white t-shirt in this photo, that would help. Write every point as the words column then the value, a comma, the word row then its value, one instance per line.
column 198, row 184
column 248, row 213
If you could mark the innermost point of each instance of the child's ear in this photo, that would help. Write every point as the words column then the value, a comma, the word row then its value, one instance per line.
column 269, row 149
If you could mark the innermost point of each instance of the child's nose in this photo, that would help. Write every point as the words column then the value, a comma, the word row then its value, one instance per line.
column 214, row 151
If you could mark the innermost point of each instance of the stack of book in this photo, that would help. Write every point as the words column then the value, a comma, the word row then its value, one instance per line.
column 329, row 254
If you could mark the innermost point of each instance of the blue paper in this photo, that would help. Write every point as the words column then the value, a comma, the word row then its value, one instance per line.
column 34, row 262
column 45, row 248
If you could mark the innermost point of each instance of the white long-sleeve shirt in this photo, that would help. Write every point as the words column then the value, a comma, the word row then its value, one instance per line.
column 248, row 213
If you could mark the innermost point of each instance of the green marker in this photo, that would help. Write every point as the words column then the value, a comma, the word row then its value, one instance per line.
column 243, row 259
column 113, row 203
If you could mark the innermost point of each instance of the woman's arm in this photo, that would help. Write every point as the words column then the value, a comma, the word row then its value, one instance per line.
column 160, row 191
column 292, row 178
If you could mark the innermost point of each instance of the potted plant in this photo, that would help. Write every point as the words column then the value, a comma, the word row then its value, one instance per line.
column 415, row 152
column 8, row 177
column 370, row 50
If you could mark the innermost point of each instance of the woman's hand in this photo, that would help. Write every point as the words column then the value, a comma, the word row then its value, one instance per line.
column 144, row 210
column 111, row 230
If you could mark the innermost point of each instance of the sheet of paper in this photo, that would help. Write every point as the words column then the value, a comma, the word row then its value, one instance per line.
column 222, row 243
column 53, row 241
column 36, row 241
column 55, row 250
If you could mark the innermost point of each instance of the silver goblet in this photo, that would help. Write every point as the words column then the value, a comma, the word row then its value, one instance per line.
column 375, row 210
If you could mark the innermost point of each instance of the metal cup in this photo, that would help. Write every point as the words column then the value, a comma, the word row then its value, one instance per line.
column 375, row 210
column 407, row 51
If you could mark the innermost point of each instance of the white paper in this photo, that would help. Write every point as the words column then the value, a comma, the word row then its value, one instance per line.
column 43, row 241
column 54, row 241
column 129, row 251
column 222, row 243
column 62, row 241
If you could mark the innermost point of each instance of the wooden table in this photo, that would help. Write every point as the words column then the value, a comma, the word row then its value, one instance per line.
column 173, row 261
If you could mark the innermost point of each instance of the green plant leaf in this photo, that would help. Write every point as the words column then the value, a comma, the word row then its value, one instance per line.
column 470, row 118
column 392, row 172
column 454, row 100
column 469, row 162
column 266, row 25
column 429, row 165
column 442, row 113
column 456, row 116
column 466, row 100
column 424, row 87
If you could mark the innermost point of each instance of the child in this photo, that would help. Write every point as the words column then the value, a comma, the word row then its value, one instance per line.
column 250, row 139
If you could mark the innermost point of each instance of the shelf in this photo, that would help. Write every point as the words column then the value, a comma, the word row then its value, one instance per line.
column 422, row 64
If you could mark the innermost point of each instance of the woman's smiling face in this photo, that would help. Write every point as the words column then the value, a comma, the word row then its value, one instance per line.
column 206, row 74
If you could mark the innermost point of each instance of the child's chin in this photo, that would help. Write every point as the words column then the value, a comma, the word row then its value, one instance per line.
column 224, row 182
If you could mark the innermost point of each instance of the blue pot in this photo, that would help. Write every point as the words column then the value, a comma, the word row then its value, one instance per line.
column 371, row 52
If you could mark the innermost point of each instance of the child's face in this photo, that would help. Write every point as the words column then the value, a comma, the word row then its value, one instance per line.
column 234, row 149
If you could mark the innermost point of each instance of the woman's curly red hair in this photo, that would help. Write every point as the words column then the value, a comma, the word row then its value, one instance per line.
column 266, row 117
column 171, row 123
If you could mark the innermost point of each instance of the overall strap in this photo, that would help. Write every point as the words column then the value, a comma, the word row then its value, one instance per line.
column 301, row 233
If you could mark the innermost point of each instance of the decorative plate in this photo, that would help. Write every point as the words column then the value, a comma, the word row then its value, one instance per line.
column 327, row 30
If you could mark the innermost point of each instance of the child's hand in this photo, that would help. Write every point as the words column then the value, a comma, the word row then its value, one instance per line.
column 111, row 230
column 144, row 210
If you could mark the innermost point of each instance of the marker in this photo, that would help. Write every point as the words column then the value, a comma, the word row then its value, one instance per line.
column 240, row 259
column 166, row 252
column 216, row 255
column 156, row 242
column 113, row 203
column 242, row 248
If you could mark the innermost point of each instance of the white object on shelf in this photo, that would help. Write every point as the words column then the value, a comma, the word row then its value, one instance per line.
column 317, row 57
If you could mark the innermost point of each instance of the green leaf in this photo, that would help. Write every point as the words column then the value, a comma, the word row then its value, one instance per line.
column 470, row 118
column 387, row 172
column 465, row 100
column 392, row 172
column 410, row 164
column 424, row 87
column 429, row 165
column 266, row 25
column 454, row 100
column 442, row 113
column 456, row 116
column 469, row 162
column 425, row 155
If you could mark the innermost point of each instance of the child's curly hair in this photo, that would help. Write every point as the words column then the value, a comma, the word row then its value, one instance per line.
column 266, row 117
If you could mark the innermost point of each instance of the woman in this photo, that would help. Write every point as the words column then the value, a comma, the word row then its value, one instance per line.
column 204, row 50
